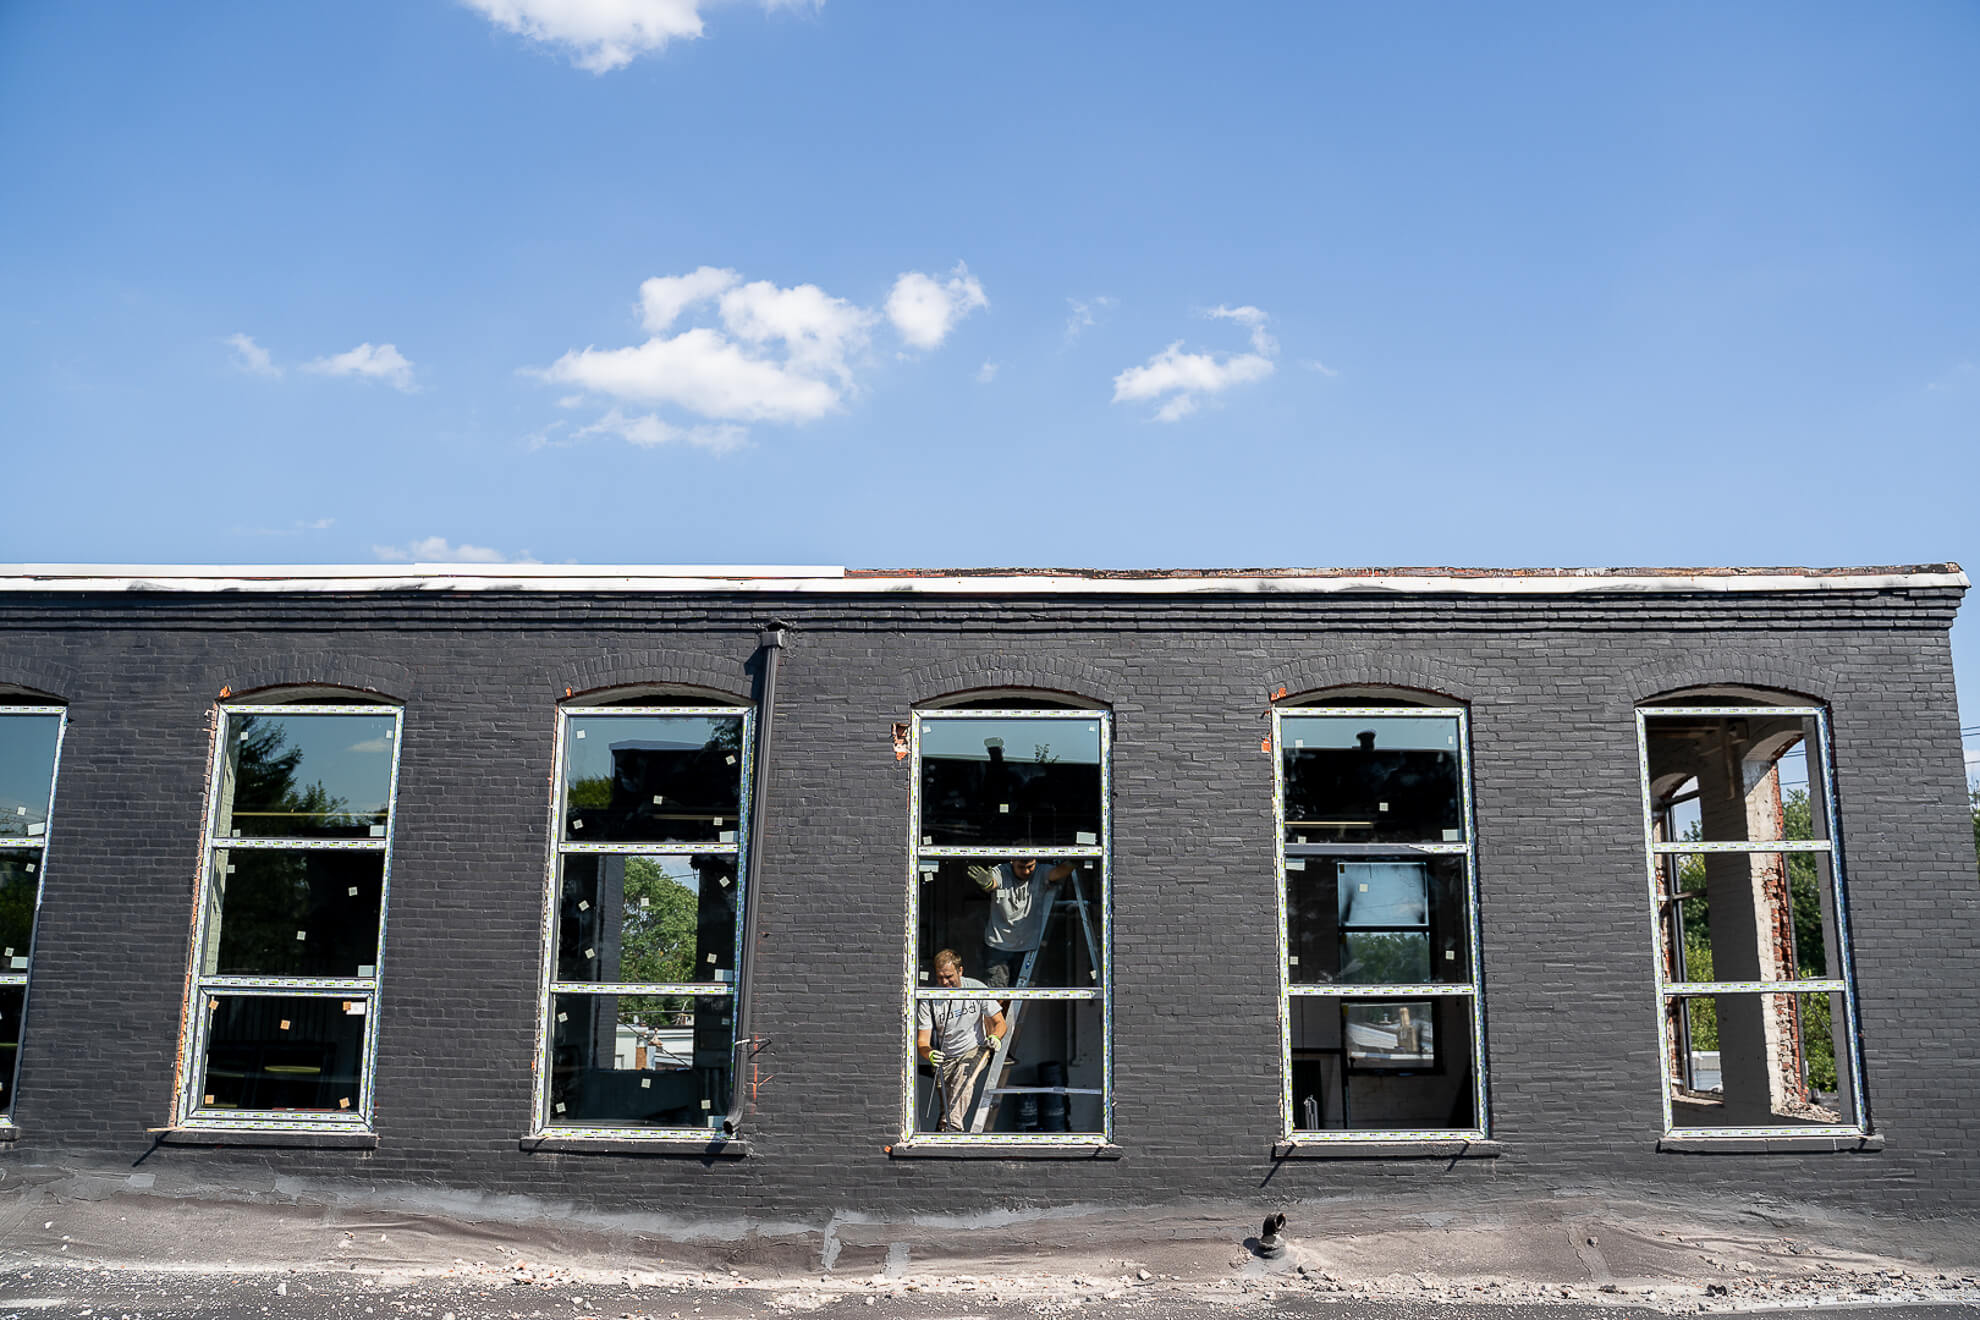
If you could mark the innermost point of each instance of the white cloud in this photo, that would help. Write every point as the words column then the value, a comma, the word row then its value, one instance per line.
column 383, row 363
column 987, row 372
column 924, row 309
column 1185, row 378
column 649, row 432
column 1321, row 367
column 1261, row 338
column 602, row 35
column 727, row 352
column 251, row 357
column 1085, row 314
column 437, row 550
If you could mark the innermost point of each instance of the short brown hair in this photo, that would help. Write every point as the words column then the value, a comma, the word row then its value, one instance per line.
column 948, row 958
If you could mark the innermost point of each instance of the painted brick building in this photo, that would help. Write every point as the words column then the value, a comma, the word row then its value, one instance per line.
column 510, row 879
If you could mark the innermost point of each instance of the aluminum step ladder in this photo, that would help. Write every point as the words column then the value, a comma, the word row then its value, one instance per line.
column 996, row 1076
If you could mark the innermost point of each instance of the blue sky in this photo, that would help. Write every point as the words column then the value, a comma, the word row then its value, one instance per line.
column 944, row 283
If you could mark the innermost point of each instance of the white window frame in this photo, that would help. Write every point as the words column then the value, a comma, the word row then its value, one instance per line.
column 1669, row 991
column 1471, row 991
column 915, row 993
column 22, row 976
column 542, row 1121
column 190, row 1109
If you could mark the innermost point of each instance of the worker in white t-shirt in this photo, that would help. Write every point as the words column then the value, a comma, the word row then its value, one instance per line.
column 1020, row 900
column 956, row 1036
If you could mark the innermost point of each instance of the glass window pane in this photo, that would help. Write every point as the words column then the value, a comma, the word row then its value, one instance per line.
column 1747, row 916
column 12, row 999
column 1372, row 1065
column 994, row 915
column 1371, row 922
column 304, row 913
column 1049, row 1081
column 1372, row 779
column 628, row 1060
column 283, row 1052
column 650, row 919
column 1016, row 782
column 1760, row 1060
column 307, row 776
column 27, row 771
column 20, row 871
column 1735, row 779
column 652, row 778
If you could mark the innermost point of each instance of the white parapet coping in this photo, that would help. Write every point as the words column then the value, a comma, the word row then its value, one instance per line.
column 780, row 579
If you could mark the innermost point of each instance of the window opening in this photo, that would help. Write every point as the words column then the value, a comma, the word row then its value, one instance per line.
column 1380, row 1011
column 30, row 752
column 287, row 942
column 1758, row 1012
column 1009, row 927
column 643, row 921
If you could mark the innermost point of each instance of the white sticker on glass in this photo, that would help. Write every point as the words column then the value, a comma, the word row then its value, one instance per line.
column 590, row 953
column 377, row 831
column 353, row 891
column 658, row 800
column 646, row 1083
column 1293, row 960
column 1295, row 863
column 722, row 880
column 730, row 760
column 1087, row 837
column 1381, row 806
column 302, row 934
column 563, row 1017
column 36, row 827
column 366, row 971
column 580, row 733
column 17, row 961
column 726, row 836
column 706, row 1105
column 1004, row 808
column 718, row 822
column 1453, row 836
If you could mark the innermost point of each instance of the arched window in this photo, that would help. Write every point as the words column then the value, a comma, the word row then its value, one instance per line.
column 294, row 878
column 1758, row 1010
column 643, row 921
column 31, row 728
column 1380, row 1013
column 1009, row 922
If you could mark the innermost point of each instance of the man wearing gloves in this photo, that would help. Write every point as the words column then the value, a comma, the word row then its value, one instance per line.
column 957, row 1036
column 1020, row 900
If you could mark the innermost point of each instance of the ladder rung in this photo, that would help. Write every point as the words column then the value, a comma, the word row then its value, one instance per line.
column 1042, row 1090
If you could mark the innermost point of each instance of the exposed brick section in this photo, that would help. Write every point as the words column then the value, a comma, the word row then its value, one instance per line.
column 1567, row 951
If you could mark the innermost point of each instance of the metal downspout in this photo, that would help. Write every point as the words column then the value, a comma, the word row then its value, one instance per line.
column 771, row 642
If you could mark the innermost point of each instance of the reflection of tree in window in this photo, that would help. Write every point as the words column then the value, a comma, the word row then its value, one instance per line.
column 265, row 779
column 660, row 922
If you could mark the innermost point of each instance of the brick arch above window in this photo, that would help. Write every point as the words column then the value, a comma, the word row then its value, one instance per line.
column 1078, row 682
column 378, row 680
column 689, row 672
column 1425, row 677
column 1784, row 678
column 26, row 678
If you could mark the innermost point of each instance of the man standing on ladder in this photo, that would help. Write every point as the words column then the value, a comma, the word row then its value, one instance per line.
column 958, row 1037
column 1019, row 904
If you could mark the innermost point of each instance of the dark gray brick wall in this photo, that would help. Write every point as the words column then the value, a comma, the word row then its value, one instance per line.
column 1571, row 1031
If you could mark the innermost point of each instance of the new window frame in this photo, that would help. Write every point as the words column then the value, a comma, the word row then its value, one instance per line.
column 1670, row 992
column 542, row 1122
column 23, row 976
column 203, row 990
column 915, row 994
column 1471, row 990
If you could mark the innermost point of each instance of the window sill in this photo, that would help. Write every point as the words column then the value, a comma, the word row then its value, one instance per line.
column 285, row 1138
column 1005, row 1150
column 1769, row 1145
column 1459, row 1149
column 662, row 1146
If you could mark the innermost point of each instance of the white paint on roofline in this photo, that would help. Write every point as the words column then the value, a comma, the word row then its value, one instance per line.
column 816, row 580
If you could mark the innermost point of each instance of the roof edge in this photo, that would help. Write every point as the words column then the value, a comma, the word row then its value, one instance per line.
column 816, row 579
